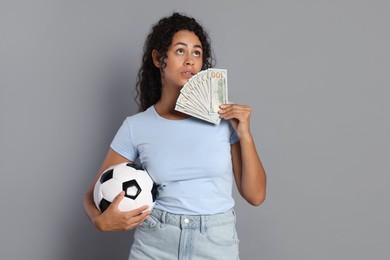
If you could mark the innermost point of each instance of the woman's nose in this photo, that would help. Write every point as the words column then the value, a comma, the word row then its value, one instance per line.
column 189, row 60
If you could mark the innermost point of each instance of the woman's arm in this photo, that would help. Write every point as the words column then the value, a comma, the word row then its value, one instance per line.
column 248, row 171
column 112, row 219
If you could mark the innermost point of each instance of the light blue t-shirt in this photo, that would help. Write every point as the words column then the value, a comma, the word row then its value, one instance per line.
column 190, row 159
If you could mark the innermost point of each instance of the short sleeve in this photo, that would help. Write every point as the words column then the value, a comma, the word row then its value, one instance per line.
column 123, row 143
column 233, row 135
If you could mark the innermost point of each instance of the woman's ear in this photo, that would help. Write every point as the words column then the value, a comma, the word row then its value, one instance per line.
column 156, row 61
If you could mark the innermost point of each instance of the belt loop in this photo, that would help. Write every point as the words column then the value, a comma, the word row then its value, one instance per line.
column 202, row 224
column 163, row 216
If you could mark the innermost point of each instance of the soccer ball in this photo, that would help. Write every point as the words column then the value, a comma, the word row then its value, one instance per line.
column 137, row 184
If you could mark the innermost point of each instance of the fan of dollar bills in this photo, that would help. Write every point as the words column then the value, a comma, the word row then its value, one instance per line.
column 202, row 95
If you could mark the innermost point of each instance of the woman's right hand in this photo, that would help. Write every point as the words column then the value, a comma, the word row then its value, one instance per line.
column 112, row 219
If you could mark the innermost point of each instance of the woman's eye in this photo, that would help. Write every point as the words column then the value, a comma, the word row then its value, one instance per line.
column 180, row 51
column 197, row 53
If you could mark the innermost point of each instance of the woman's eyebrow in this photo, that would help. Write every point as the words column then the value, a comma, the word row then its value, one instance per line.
column 185, row 44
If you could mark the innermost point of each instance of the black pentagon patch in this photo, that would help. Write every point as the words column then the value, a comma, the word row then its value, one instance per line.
column 103, row 205
column 154, row 191
column 130, row 184
column 135, row 166
column 106, row 176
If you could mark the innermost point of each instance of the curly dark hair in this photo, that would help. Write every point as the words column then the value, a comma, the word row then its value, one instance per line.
column 148, row 86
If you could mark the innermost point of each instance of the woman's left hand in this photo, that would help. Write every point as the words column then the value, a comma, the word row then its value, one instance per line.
column 239, row 116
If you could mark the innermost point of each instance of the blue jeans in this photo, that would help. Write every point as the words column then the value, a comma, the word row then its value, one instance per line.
column 166, row 236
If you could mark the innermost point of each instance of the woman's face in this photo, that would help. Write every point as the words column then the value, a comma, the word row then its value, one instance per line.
column 184, row 59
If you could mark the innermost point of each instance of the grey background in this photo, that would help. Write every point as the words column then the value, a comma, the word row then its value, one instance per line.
column 315, row 72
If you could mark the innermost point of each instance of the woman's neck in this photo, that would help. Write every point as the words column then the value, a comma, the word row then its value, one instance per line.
column 165, row 106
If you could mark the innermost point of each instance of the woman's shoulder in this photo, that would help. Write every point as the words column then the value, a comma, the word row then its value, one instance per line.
column 140, row 116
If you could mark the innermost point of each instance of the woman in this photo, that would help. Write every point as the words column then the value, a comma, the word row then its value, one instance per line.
column 193, row 162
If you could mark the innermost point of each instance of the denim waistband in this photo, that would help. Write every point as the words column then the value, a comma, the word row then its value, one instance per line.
column 201, row 222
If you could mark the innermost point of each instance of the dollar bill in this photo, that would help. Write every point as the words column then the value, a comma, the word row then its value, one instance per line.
column 218, row 89
column 202, row 95
column 205, row 117
column 188, row 103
